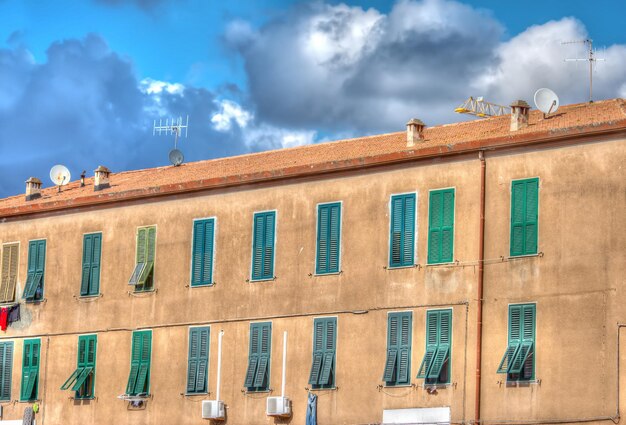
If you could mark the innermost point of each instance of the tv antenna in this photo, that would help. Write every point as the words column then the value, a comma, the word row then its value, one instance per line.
column 60, row 175
column 590, row 58
column 174, row 127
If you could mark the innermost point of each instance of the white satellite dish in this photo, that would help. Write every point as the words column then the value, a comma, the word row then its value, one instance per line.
column 176, row 157
column 60, row 175
column 546, row 101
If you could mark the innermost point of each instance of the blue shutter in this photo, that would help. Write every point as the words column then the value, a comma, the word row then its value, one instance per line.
column 402, row 233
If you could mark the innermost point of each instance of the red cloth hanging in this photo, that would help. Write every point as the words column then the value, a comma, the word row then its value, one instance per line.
column 4, row 315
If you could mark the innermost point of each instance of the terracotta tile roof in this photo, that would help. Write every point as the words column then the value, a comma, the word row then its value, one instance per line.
column 570, row 120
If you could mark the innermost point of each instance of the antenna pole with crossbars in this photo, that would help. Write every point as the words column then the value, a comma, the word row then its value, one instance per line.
column 175, row 127
column 590, row 58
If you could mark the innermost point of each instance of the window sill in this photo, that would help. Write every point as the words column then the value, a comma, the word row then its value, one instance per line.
column 152, row 291
column 412, row 266
column 322, row 389
column 83, row 398
column 89, row 296
column 519, row 257
column 204, row 285
column 442, row 264
column 522, row 384
column 327, row 274
column 42, row 300
column 195, row 394
column 28, row 401
column 387, row 386
column 430, row 387
column 247, row 391
column 268, row 279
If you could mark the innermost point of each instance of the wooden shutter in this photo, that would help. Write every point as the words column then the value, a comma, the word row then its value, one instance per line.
column 398, row 348
column 318, row 351
column 402, row 236
column 202, row 252
column 198, row 360
column 328, row 238
column 30, row 369
column 525, row 334
column 441, row 226
column 324, row 343
column 515, row 338
column 6, row 369
column 8, row 276
column 90, row 282
column 87, row 256
column 524, row 216
column 327, row 374
column 443, row 343
column 404, row 348
column 432, row 327
column 139, row 377
column 392, row 348
column 36, row 269
column 257, row 375
column 263, row 246
column 146, row 246
column 87, row 365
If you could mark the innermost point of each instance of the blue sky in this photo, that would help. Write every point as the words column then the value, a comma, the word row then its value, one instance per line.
column 83, row 80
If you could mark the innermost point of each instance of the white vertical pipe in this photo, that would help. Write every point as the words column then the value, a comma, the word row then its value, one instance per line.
column 219, row 364
column 282, row 389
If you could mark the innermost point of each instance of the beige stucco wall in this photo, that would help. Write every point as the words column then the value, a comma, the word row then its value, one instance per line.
column 577, row 285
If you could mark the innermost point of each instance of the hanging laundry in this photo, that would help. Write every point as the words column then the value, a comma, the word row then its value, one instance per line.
column 14, row 314
column 311, row 410
column 4, row 315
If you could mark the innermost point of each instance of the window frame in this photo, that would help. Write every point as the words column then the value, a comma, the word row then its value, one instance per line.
column 97, row 293
column 525, row 180
column 208, row 360
column 274, row 246
column 399, row 314
column 317, row 237
column 17, row 269
column 213, row 253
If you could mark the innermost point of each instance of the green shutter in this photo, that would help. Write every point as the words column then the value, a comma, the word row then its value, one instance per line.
column 441, row 226
column 524, row 216
column 398, row 360
column 198, row 360
column 145, row 256
column 6, row 369
column 139, row 377
column 328, row 238
column 324, row 341
column 438, row 345
column 202, row 252
column 521, row 339
column 9, row 272
column 402, row 231
column 257, row 375
column 87, row 362
column 90, row 282
column 263, row 246
column 36, row 269
column 30, row 369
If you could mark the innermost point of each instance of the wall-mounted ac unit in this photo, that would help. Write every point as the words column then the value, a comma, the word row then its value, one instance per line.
column 278, row 406
column 213, row 409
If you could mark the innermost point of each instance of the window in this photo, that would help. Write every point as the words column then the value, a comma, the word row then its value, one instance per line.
column 328, row 238
column 524, row 213
column 143, row 275
column 198, row 360
column 518, row 360
column 202, row 252
column 30, row 369
column 258, row 373
column 402, row 233
column 90, row 281
column 398, row 364
column 83, row 378
column 10, row 254
column 324, row 342
column 6, row 369
column 435, row 367
column 139, row 377
column 33, row 290
column 441, row 226
column 263, row 245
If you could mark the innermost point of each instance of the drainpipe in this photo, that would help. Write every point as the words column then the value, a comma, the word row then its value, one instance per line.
column 481, row 272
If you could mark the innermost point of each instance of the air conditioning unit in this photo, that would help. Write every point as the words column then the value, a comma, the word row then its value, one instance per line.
column 278, row 406
column 213, row 409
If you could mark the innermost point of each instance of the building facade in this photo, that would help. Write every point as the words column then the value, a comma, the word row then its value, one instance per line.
column 459, row 273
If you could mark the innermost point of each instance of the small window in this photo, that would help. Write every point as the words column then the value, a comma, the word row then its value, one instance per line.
column 435, row 367
column 198, row 360
column 258, row 372
column 90, row 280
column 402, row 231
column 6, row 364
column 143, row 274
column 398, row 364
column 518, row 361
column 263, row 245
column 82, row 379
column 139, row 376
column 524, row 215
column 441, row 226
column 30, row 370
column 328, row 238
column 324, row 345
column 202, row 252
column 10, row 255
column 33, row 290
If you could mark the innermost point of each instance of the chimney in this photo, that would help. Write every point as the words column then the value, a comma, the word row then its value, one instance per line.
column 519, row 115
column 414, row 132
column 33, row 188
column 101, row 178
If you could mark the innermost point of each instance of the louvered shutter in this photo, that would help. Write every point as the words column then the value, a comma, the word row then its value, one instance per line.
column 524, row 216
column 36, row 268
column 398, row 348
column 263, row 246
column 441, row 226
column 253, row 356
column 30, row 369
column 203, row 361
column 261, row 380
column 334, row 245
column 432, row 326
column 9, row 272
column 443, row 344
column 392, row 348
column 530, row 225
column 198, row 255
column 318, row 351
column 322, row 239
column 327, row 374
column 87, row 257
column 515, row 338
column 198, row 360
column 434, row 227
column 143, row 376
column 94, row 280
column 268, row 251
column 207, row 263
column 135, row 361
column 447, row 226
column 402, row 237
column 396, row 232
column 146, row 246
column 328, row 238
column 404, row 348
column 6, row 369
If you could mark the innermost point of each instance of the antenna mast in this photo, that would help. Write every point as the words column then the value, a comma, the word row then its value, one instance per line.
column 590, row 58
column 175, row 127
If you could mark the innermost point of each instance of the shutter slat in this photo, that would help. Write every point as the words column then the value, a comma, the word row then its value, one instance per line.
column 403, row 365
column 426, row 362
column 390, row 365
column 316, row 365
column 327, row 368
column 261, row 373
column 251, row 372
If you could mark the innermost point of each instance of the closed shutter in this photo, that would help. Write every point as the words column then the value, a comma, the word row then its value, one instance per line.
column 398, row 349
column 441, row 226
column 263, row 246
column 257, row 375
column 328, row 238
column 139, row 377
column 30, row 369
column 324, row 344
column 202, row 252
column 402, row 235
column 6, row 369
column 198, row 361
column 524, row 216
column 8, row 276
column 90, row 283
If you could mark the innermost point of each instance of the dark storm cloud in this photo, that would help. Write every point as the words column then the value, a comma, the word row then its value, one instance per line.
column 83, row 107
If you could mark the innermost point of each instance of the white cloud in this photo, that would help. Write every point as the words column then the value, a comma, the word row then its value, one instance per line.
column 230, row 112
column 150, row 86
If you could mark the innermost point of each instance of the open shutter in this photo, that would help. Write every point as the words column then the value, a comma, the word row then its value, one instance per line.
column 392, row 347
column 36, row 262
column 6, row 369
column 149, row 250
column 515, row 339
column 443, row 344
column 318, row 351
column 135, row 360
column 253, row 356
column 30, row 369
column 9, row 272
column 327, row 369
column 261, row 378
column 192, row 362
column 41, row 264
column 143, row 376
column 432, row 325
column 404, row 348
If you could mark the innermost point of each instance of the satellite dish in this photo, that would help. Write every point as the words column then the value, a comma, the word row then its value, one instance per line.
column 546, row 101
column 176, row 157
column 60, row 175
